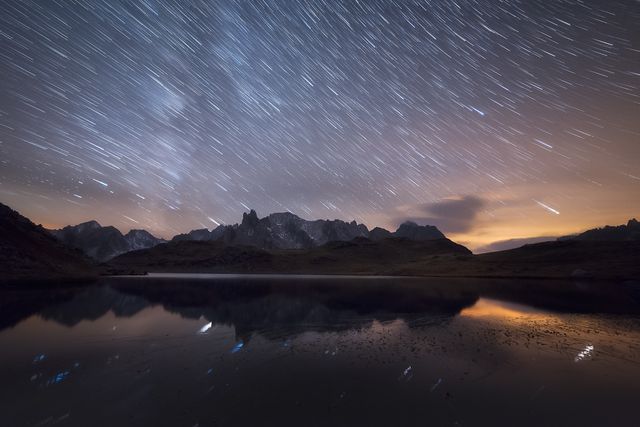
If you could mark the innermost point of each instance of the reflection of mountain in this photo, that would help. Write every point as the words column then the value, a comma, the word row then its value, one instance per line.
column 93, row 303
column 279, row 307
column 67, row 306
column 17, row 305
column 272, row 307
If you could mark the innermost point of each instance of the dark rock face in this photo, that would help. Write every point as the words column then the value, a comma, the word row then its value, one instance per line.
column 628, row 232
column 289, row 231
column 379, row 234
column 103, row 243
column 198, row 235
column 202, row 234
column 28, row 251
column 141, row 239
column 412, row 231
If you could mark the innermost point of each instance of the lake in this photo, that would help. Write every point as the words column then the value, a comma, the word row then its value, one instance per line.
column 188, row 350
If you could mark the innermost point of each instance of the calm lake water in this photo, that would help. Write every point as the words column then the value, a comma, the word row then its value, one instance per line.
column 302, row 351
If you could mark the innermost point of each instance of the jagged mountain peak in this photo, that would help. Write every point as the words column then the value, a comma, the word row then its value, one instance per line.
column 286, row 230
column 85, row 226
column 103, row 243
column 279, row 230
column 250, row 219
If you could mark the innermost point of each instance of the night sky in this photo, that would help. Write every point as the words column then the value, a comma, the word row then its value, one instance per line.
column 490, row 119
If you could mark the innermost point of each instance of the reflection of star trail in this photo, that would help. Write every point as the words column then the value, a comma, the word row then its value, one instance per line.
column 177, row 117
column 587, row 352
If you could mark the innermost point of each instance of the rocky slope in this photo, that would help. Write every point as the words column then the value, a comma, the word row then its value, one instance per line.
column 28, row 251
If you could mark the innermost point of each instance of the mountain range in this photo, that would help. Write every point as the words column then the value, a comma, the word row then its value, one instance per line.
column 284, row 243
column 103, row 243
column 276, row 231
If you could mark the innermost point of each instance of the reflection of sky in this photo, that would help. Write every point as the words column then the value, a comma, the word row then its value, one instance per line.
column 156, row 365
column 507, row 311
column 368, row 110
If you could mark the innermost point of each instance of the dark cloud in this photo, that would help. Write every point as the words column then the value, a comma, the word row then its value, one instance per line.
column 503, row 245
column 450, row 215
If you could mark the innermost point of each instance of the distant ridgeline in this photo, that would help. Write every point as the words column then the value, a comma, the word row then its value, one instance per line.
column 630, row 231
column 280, row 231
column 288, row 231
column 276, row 231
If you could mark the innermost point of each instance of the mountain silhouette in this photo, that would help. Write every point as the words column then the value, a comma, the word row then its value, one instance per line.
column 103, row 243
column 282, row 230
column 284, row 243
column 28, row 251
column 618, row 233
column 285, row 230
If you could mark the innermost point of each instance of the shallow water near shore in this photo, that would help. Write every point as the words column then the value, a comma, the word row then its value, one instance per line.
column 340, row 351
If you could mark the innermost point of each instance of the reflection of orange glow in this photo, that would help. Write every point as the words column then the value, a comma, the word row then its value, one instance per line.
column 493, row 308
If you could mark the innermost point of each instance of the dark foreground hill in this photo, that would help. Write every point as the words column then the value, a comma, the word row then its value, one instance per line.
column 617, row 233
column 392, row 256
column 358, row 256
column 28, row 251
column 560, row 259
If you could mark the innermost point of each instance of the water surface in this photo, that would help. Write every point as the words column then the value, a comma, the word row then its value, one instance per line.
column 236, row 350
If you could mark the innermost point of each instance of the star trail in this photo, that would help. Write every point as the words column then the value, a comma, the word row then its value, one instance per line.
column 178, row 115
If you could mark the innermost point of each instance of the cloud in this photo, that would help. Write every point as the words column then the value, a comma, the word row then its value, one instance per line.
column 503, row 245
column 456, row 215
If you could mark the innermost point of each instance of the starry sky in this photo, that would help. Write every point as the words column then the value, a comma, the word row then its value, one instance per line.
column 491, row 119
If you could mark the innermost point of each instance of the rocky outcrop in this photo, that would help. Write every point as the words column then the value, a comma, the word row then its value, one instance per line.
column 103, row 243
